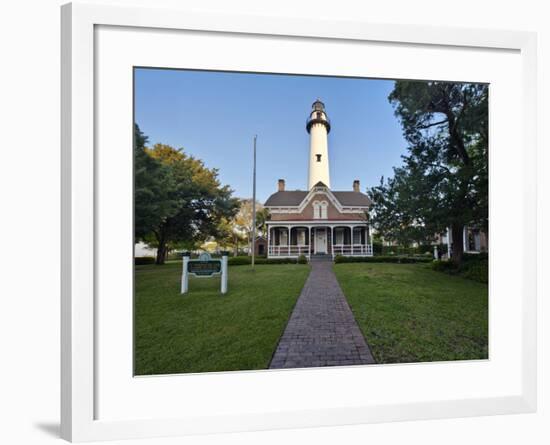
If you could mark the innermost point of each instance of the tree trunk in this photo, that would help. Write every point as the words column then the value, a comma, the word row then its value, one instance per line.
column 162, row 250
column 457, row 231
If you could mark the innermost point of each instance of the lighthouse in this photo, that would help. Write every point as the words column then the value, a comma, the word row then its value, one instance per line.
column 318, row 127
column 318, row 222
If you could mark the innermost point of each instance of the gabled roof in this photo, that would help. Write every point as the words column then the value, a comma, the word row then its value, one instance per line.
column 286, row 198
column 294, row 198
column 352, row 199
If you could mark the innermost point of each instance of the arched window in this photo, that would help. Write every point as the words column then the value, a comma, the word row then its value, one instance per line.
column 316, row 210
column 324, row 207
column 320, row 210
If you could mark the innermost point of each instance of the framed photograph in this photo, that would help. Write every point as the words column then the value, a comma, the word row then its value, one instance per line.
column 278, row 223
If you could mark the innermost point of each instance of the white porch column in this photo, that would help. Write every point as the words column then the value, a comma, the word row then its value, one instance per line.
column 351, row 239
column 309, row 241
column 332, row 240
column 268, row 239
column 464, row 249
column 288, row 240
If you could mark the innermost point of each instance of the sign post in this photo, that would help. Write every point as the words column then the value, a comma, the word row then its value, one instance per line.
column 224, row 273
column 185, row 274
column 253, row 246
column 204, row 267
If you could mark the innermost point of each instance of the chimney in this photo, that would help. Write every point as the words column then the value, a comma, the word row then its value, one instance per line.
column 356, row 186
column 281, row 185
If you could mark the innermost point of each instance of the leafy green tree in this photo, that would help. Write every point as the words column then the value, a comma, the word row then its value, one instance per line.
column 262, row 216
column 152, row 185
column 202, row 201
column 243, row 219
column 444, row 177
column 230, row 236
column 179, row 202
column 235, row 233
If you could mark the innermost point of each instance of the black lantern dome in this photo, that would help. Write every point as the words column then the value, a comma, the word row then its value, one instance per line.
column 318, row 115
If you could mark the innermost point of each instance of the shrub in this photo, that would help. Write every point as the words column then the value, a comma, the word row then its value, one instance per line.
column 444, row 266
column 277, row 261
column 477, row 270
column 382, row 259
column 238, row 260
column 422, row 249
column 467, row 257
column 142, row 260
column 245, row 260
column 302, row 259
column 474, row 267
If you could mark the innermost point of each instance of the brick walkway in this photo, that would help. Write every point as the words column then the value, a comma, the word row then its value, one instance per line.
column 322, row 330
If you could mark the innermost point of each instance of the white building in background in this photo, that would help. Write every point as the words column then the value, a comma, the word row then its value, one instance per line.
column 473, row 241
column 141, row 249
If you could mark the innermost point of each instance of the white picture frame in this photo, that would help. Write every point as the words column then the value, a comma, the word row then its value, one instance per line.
column 80, row 418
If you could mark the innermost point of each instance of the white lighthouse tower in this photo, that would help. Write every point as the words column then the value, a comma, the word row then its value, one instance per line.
column 318, row 127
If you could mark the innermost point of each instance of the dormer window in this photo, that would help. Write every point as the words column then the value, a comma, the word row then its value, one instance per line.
column 324, row 207
column 318, row 158
column 320, row 210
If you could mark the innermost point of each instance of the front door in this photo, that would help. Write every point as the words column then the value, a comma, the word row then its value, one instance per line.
column 320, row 241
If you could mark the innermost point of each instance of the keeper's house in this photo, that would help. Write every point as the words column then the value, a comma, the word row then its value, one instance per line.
column 318, row 221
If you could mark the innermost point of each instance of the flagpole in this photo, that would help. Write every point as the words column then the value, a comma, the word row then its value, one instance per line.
column 254, row 205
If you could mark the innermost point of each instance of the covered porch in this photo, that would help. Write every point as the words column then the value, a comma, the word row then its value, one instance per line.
column 293, row 240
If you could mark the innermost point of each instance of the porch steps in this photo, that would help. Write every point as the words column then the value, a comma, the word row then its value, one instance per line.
column 320, row 257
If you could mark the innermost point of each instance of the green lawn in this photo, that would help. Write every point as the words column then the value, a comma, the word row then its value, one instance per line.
column 205, row 331
column 410, row 313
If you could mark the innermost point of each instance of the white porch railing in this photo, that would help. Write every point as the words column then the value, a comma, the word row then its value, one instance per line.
column 288, row 251
column 352, row 249
column 337, row 249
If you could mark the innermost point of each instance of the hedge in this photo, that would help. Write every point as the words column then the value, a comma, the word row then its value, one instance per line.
column 142, row 260
column 382, row 259
column 423, row 249
column 238, row 260
column 245, row 260
column 476, row 270
column 474, row 267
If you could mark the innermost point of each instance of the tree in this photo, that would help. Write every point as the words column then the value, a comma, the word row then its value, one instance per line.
column 152, row 185
column 243, row 219
column 444, row 177
column 395, row 215
column 230, row 236
column 187, row 203
column 262, row 216
column 237, row 231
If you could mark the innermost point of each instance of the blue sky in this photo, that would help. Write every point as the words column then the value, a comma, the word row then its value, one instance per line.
column 214, row 116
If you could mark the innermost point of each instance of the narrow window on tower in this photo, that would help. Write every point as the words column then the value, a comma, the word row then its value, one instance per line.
column 318, row 158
